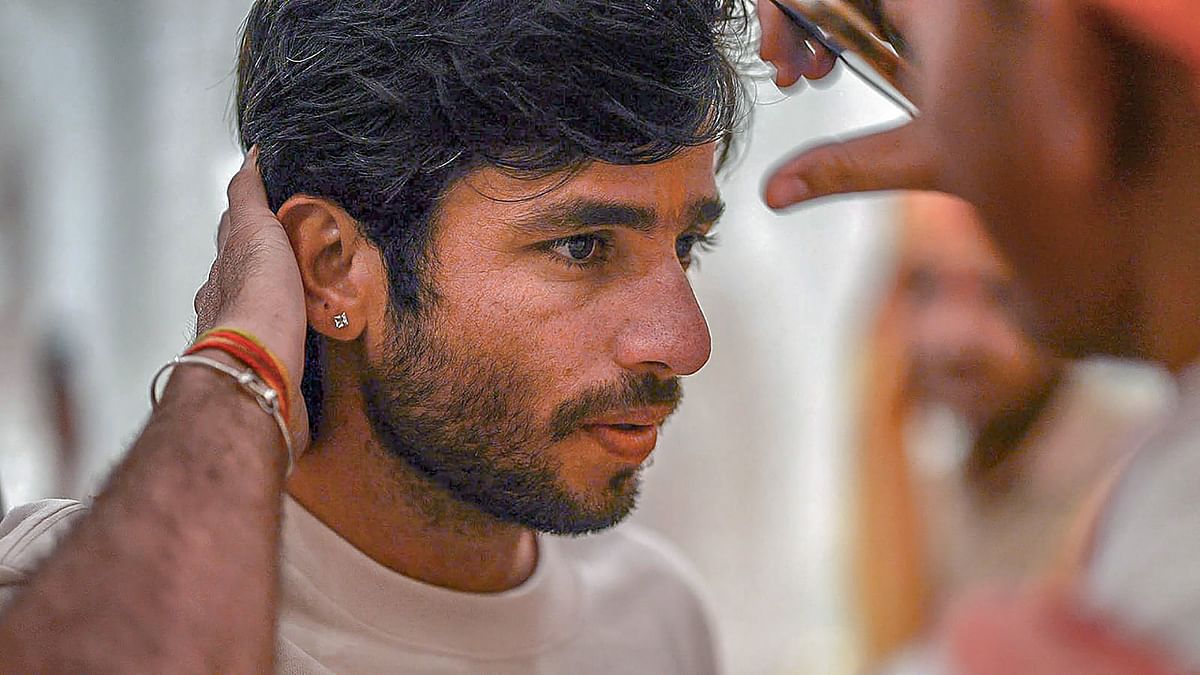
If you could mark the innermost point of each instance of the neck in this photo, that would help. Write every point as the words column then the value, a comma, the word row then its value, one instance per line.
column 1165, row 213
column 397, row 517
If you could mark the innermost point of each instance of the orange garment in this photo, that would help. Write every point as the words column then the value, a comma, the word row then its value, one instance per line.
column 1171, row 24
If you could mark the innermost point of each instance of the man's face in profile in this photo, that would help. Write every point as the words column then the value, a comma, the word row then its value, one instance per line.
column 534, row 383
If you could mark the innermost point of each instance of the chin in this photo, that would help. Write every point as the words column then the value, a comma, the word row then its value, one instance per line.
column 616, row 487
column 606, row 501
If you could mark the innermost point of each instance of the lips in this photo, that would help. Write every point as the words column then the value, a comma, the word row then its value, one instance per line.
column 628, row 443
column 629, row 435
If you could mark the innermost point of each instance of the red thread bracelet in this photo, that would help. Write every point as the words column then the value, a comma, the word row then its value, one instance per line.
column 249, row 350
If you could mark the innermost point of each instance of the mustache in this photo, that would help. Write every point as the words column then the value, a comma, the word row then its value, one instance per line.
column 633, row 391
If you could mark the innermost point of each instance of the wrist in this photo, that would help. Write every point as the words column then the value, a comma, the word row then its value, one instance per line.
column 251, row 372
column 208, row 398
column 282, row 339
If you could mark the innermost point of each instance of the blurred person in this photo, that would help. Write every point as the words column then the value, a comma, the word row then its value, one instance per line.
column 980, row 447
column 1074, row 126
column 488, row 212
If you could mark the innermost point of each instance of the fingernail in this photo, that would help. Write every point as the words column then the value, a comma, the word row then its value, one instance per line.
column 251, row 157
column 783, row 196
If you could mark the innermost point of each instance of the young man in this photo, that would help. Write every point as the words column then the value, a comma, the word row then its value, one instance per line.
column 1074, row 126
column 490, row 209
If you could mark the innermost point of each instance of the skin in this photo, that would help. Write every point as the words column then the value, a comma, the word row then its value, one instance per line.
column 506, row 296
column 1109, row 276
column 1034, row 145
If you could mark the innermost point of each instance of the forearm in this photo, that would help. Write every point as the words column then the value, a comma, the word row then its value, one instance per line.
column 176, row 566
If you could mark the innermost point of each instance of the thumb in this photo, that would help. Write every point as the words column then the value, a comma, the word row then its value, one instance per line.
column 895, row 159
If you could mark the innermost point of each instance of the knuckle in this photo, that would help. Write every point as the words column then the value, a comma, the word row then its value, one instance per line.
column 830, row 168
column 842, row 162
column 236, row 185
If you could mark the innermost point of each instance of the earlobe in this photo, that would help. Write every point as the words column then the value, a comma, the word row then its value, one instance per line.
column 327, row 245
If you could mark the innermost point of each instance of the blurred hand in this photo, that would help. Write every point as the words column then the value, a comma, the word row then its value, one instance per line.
column 254, row 284
column 1040, row 632
column 790, row 49
column 900, row 158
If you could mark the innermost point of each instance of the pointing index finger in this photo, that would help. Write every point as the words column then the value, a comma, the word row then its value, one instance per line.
column 896, row 159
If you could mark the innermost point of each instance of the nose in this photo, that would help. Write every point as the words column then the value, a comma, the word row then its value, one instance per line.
column 665, row 333
column 953, row 328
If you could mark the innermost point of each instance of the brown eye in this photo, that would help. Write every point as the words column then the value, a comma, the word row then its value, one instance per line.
column 579, row 249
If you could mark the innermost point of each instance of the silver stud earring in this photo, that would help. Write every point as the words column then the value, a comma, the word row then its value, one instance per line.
column 340, row 321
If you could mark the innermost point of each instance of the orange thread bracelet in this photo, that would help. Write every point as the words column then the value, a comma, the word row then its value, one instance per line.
column 255, row 360
column 249, row 350
column 283, row 374
column 266, row 397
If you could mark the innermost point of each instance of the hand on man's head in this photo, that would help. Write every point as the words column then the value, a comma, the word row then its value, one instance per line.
column 254, row 284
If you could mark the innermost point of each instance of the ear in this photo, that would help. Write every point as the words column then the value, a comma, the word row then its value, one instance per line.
column 1073, row 81
column 335, row 265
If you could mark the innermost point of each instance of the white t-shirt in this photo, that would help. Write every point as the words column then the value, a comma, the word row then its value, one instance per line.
column 1145, row 572
column 1095, row 419
column 616, row 602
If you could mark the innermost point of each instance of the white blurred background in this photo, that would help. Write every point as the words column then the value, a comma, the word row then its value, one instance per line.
column 116, row 141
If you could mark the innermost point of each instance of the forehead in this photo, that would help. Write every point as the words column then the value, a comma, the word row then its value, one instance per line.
column 671, row 188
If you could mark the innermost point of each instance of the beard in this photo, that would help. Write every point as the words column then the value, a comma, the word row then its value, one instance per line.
column 466, row 424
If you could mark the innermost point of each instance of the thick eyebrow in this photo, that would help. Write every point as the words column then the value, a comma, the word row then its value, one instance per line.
column 581, row 214
column 578, row 214
column 706, row 212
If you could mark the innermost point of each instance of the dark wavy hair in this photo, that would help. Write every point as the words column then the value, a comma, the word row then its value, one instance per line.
column 379, row 105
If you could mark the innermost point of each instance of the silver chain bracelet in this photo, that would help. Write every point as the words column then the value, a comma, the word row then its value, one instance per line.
column 267, row 398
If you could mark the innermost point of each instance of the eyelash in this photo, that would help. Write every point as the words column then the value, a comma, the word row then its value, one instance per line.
column 604, row 244
column 700, row 242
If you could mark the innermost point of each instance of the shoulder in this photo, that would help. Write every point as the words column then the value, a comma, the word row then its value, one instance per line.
column 1122, row 399
column 1104, row 411
column 1143, row 567
column 29, row 533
